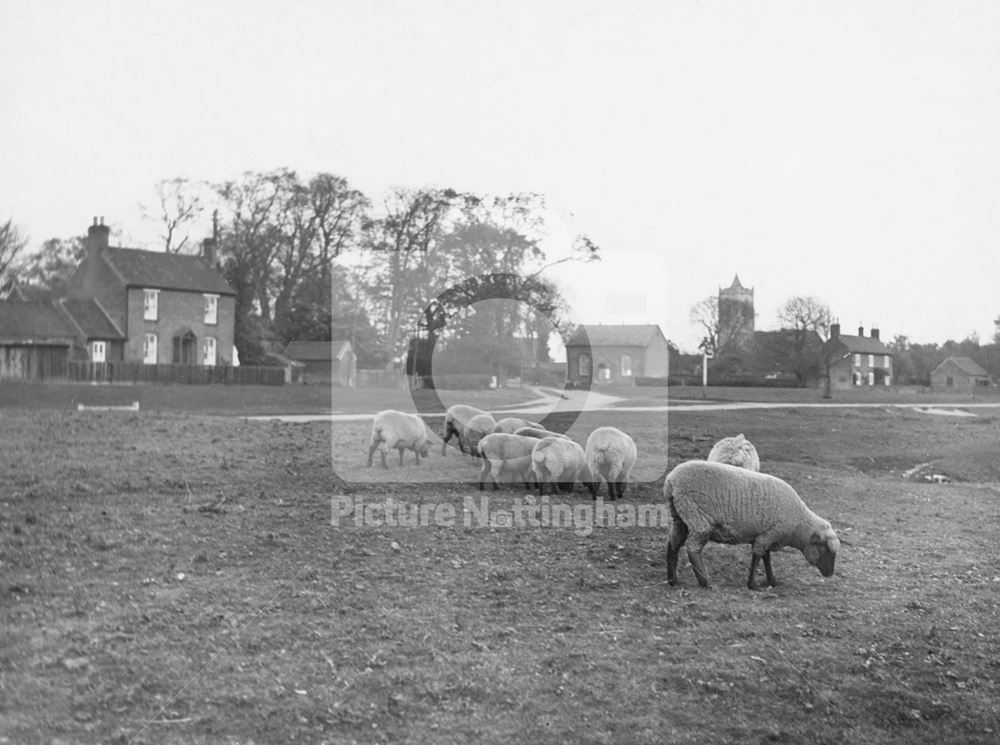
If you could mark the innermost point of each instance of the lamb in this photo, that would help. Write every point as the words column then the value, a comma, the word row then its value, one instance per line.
column 397, row 429
column 559, row 461
column 476, row 429
column 736, row 451
column 505, row 453
column 455, row 420
column 511, row 424
column 611, row 455
column 728, row 504
column 538, row 433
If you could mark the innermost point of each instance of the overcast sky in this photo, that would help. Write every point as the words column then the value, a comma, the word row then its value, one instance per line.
column 845, row 150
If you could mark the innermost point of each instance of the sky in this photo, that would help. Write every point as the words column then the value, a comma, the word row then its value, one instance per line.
column 847, row 151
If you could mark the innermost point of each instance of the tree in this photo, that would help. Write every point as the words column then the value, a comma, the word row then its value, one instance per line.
column 47, row 270
column 11, row 245
column 803, row 319
column 705, row 313
column 179, row 205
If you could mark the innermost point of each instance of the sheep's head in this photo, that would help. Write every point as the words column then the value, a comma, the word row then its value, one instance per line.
column 821, row 551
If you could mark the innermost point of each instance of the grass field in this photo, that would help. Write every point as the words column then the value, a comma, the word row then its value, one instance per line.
column 174, row 577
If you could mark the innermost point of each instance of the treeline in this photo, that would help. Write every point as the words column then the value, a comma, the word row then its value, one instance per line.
column 312, row 258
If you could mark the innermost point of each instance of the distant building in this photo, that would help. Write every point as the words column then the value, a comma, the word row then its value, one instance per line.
column 616, row 355
column 37, row 340
column 858, row 361
column 959, row 374
column 325, row 361
column 736, row 318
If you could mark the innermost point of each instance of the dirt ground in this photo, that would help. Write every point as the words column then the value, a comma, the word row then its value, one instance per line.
column 177, row 578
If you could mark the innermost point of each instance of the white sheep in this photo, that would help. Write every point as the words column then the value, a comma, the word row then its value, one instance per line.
column 736, row 451
column 511, row 424
column 505, row 453
column 558, row 461
column 728, row 504
column 397, row 429
column 476, row 429
column 455, row 419
column 611, row 455
column 538, row 433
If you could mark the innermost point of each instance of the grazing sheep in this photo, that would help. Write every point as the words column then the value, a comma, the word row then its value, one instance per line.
column 558, row 461
column 397, row 429
column 511, row 424
column 611, row 455
column 538, row 433
column 455, row 420
column 476, row 429
column 736, row 451
column 505, row 453
column 728, row 504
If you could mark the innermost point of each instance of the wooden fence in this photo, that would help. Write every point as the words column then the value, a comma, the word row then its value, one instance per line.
column 138, row 372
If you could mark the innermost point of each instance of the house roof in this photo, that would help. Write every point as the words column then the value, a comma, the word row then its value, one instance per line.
column 166, row 271
column 317, row 350
column 91, row 319
column 863, row 344
column 26, row 322
column 606, row 335
column 966, row 364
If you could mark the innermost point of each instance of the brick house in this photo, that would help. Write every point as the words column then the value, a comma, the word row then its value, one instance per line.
column 959, row 374
column 857, row 361
column 616, row 355
column 167, row 308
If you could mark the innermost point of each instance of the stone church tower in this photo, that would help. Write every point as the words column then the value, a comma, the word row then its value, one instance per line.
column 736, row 318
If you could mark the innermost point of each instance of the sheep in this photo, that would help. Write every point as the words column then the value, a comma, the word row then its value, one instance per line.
column 611, row 455
column 538, row 433
column 475, row 429
column 728, row 504
column 560, row 461
column 736, row 451
column 397, row 429
column 455, row 420
column 512, row 423
column 505, row 453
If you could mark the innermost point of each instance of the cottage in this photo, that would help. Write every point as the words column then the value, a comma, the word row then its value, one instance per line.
column 858, row 360
column 959, row 374
column 616, row 355
column 327, row 361
column 167, row 308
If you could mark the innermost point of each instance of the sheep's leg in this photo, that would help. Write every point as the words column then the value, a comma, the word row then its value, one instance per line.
column 767, row 569
column 417, row 454
column 697, row 562
column 752, row 580
column 384, row 464
column 483, row 471
column 444, row 440
column 371, row 452
column 400, row 449
column 678, row 534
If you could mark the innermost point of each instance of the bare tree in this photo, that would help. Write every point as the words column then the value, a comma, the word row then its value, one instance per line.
column 11, row 244
column 806, row 318
column 179, row 205
column 705, row 313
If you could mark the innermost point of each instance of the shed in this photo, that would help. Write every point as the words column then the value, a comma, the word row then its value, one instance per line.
column 36, row 340
column 325, row 361
column 959, row 374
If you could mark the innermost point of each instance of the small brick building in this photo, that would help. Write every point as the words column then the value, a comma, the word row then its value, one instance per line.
column 616, row 355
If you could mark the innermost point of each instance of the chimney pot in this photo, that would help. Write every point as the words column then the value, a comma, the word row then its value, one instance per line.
column 861, row 330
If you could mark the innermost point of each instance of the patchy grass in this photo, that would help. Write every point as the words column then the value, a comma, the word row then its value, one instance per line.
column 175, row 578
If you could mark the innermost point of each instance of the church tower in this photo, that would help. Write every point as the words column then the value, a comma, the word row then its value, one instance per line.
column 736, row 317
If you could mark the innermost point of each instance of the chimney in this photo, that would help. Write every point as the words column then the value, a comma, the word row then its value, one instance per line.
column 834, row 330
column 97, row 236
column 874, row 333
column 861, row 330
column 209, row 252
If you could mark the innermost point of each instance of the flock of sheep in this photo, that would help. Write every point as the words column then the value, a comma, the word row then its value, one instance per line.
column 724, row 499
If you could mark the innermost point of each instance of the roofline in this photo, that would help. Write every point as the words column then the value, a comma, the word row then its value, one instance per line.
column 110, row 319
column 61, row 302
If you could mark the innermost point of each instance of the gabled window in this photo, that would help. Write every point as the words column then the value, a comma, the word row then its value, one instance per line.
column 209, row 351
column 211, row 309
column 626, row 365
column 150, row 301
column 149, row 349
column 98, row 351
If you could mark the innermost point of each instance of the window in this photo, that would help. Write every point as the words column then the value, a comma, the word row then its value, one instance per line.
column 949, row 382
column 211, row 309
column 98, row 351
column 887, row 380
column 149, row 304
column 603, row 372
column 149, row 349
column 885, row 361
column 871, row 377
column 583, row 368
column 871, row 360
column 209, row 351
column 857, row 360
column 626, row 365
